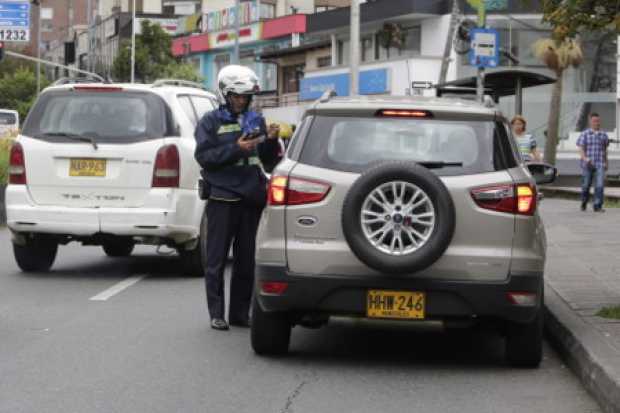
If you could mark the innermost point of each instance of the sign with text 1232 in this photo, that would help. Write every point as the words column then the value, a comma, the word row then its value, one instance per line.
column 14, row 21
column 484, row 48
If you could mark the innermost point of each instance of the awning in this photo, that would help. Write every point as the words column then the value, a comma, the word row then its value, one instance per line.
column 271, row 54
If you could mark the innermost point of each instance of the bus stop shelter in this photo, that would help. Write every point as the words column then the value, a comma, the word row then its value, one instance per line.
column 498, row 84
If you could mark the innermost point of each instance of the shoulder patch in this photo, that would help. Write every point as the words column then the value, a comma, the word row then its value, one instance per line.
column 233, row 127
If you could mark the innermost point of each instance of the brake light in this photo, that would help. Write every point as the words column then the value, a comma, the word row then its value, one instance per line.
column 524, row 299
column 401, row 113
column 167, row 168
column 513, row 199
column 296, row 191
column 98, row 88
column 17, row 165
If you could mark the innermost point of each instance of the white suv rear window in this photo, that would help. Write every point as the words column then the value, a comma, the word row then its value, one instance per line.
column 104, row 116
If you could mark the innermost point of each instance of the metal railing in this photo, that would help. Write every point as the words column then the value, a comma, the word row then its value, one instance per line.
column 275, row 101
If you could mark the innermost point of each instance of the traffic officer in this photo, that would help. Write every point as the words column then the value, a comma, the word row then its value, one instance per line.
column 231, row 144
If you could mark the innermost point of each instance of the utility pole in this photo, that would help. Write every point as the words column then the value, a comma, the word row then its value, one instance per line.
column 448, row 48
column 133, row 41
column 236, row 59
column 355, row 47
column 88, row 22
column 482, row 24
column 38, row 2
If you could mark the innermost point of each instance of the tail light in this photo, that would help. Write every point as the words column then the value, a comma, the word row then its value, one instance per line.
column 513, row 199
column 295, row 191
column 402, row 113
column 167, row 168
column 273, row 287
column 17, row 165
column 523, row 299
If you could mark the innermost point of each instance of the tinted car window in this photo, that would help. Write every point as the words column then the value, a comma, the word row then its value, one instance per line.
column 105, row 116
column 351, row 144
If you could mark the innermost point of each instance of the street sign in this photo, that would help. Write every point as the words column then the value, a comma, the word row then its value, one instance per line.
column 14, row 20
column 484, row 48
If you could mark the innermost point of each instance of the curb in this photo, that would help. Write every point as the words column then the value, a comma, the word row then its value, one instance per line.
column 594, row 360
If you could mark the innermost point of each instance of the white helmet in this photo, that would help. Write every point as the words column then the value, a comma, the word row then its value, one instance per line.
column 237, row 79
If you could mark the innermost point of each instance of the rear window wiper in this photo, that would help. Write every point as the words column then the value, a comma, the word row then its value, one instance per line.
column 438, row 164
column 73, row 136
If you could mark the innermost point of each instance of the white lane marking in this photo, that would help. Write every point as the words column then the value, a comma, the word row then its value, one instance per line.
column 117, row 288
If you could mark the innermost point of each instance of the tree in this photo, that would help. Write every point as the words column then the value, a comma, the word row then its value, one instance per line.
column 154, row 58
column 18, row 88
column 568, row 19
column 557, row 56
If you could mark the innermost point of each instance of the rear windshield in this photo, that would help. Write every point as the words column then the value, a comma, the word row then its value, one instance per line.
column 105, row 116
column 8, row 118
column 351, row 144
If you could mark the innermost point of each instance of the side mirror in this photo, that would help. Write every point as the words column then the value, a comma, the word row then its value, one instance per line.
column 542, row 173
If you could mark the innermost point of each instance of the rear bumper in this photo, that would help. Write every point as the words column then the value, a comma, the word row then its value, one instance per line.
column 340, row 295
column 25, row 216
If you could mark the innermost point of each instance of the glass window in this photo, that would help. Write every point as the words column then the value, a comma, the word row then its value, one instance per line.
column 291, row 76
column 188, row 108
column 352, row 144
column 8, row 119
column 267, row 11
column 113, row 116
column 202, row 105
column 366, row 49
column 221, row 61
column 324, row 61
column 413, row 41
column 343, row 52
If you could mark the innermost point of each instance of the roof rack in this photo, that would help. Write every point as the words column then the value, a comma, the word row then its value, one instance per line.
column 76, row 80
column 179, row 82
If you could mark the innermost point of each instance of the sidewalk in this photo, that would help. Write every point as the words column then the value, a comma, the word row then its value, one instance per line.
column 574, row 192
column 583, row 275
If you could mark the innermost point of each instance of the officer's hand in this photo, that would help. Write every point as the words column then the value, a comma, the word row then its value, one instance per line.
column 247, row 144
column 273, row 132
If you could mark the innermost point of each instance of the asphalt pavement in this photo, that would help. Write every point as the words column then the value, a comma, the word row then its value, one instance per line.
column 131, row 335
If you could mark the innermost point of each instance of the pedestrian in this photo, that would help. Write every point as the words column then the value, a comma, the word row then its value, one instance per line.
column 592, row 144
column 232, row 142
column 525, row 141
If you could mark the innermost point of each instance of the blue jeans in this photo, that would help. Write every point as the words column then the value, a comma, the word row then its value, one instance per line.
column 590, row 173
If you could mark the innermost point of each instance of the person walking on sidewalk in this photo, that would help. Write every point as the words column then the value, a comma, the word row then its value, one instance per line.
column 525, row 141
column 592, row 144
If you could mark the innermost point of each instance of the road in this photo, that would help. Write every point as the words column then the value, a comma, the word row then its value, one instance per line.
column 148, row 348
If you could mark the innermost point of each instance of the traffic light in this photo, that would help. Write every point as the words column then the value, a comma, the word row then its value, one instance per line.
column 1, row 51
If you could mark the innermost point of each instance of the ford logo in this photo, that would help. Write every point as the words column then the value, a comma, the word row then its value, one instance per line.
column 307, row 221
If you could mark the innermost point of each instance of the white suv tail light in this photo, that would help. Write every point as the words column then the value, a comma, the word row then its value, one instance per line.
column 167, row 168
column 17, row 165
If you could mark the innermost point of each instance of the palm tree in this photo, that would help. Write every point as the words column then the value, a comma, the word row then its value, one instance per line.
column 557, row 56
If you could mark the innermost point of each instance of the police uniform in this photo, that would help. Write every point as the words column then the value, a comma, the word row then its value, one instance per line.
column 238, row 193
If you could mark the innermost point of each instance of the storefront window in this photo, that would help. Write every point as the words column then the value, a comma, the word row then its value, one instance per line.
column 291, row 76
column 366, row 49
column 343, row 52
column 221, row 61
column 267, row 11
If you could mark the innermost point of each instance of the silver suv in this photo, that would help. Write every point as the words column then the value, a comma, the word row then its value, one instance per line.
column 403, row 209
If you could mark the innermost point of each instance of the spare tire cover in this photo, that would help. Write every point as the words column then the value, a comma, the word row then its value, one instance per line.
column 398, row 217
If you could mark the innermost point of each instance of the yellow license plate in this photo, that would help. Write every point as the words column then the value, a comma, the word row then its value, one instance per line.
column 87, row 167
column 395, row 304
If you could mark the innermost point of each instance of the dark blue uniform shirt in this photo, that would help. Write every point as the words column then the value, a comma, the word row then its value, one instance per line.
column 232, row 173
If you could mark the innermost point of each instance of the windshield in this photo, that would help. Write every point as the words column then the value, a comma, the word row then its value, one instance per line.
column 352, row 144
column 105, row 116
column 7, row 118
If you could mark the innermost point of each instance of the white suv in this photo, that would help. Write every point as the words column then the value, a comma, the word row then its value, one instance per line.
column 110, row 165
